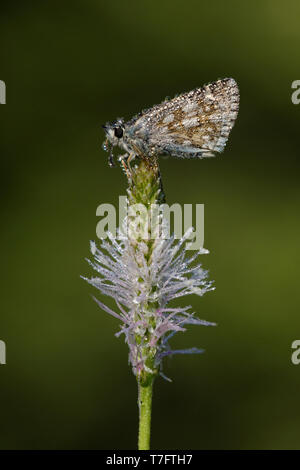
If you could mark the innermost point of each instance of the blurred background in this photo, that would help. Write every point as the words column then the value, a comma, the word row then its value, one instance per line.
column 69, row 67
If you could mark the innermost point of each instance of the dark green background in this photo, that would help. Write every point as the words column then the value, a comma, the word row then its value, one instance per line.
column 69, row 67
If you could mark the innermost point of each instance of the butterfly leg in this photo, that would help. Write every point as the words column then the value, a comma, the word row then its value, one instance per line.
column 122, row 159
column 125, row 161
column 131, row 157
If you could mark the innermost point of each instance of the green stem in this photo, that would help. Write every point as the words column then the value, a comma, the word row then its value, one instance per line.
column 145, row 187
column 145, row 408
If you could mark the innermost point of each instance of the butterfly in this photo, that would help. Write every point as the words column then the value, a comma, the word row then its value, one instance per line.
column 195, row 124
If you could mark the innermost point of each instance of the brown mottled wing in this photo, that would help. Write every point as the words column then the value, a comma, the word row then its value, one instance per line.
column 194, row 124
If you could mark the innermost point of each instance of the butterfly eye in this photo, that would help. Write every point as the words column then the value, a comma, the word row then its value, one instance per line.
column 119, row 132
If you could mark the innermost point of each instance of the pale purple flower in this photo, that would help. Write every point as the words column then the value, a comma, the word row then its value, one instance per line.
column 142, row 288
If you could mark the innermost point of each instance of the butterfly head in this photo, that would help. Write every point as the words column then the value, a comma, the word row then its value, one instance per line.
column 114, row 132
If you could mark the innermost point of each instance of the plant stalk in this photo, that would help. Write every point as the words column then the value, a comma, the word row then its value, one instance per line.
column 145, row 407
column 145, row 187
